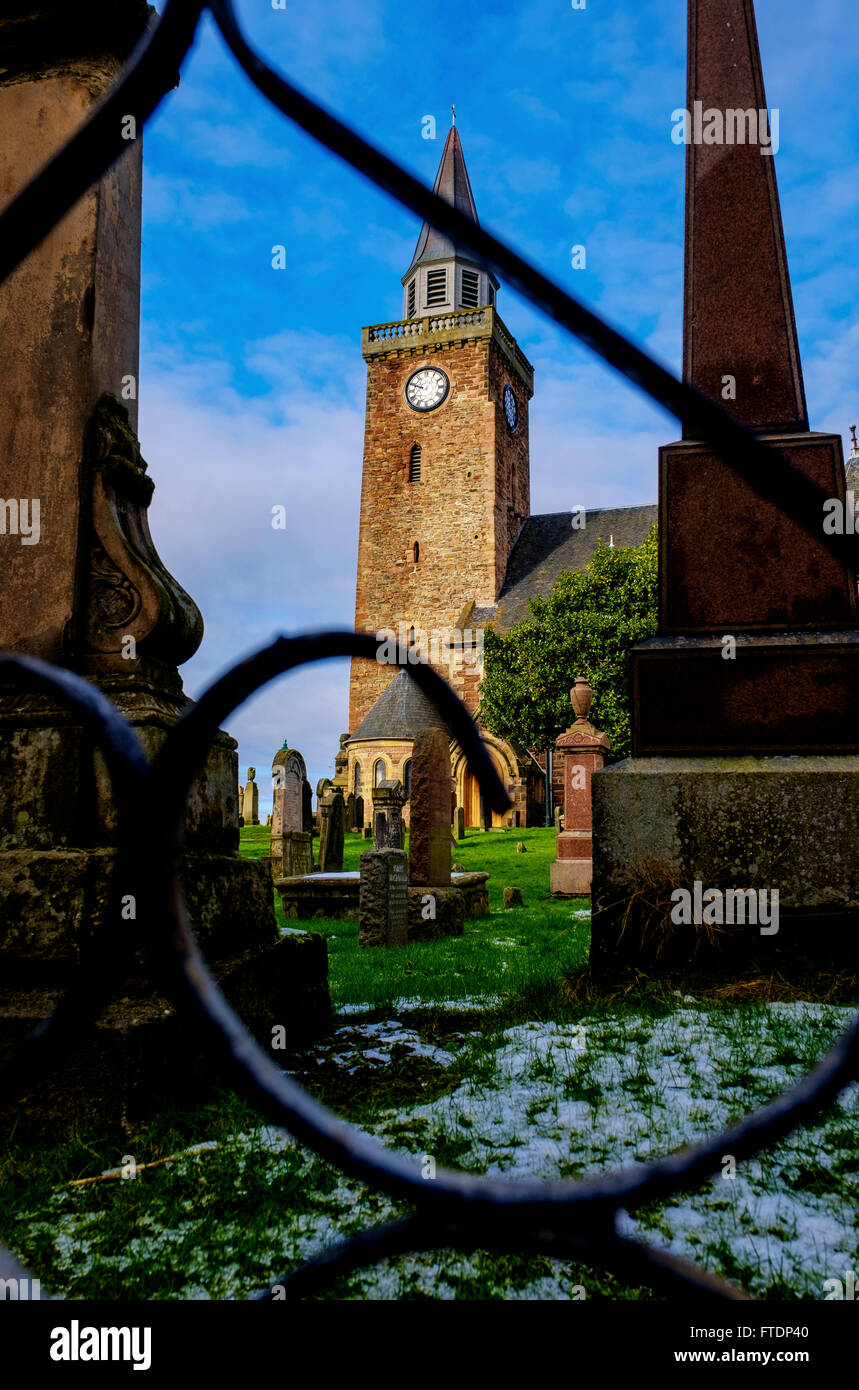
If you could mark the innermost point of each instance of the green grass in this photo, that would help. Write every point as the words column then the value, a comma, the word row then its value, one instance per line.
column 515, row 953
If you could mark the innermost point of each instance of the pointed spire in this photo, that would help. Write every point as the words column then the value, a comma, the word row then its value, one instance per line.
column 452, row 184
column 738, row 316
column 854, row 446
column 442, row 276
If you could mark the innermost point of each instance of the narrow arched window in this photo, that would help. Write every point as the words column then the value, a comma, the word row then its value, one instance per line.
column 407, row 778
column 357, row 783
column 416, row 550
column 379, row 772
column 415, row 464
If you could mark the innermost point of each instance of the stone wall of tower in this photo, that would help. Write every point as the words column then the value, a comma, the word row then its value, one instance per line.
column 464, row 513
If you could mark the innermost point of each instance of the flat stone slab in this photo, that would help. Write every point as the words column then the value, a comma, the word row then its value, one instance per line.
column 336, row 895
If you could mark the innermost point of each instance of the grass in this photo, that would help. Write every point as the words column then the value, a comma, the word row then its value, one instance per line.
column 487, row 1053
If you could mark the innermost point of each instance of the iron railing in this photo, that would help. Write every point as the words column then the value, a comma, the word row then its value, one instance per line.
column 560, row 1219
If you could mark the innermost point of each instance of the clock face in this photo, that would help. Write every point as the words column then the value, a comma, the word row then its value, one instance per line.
column 511, row 409
column 427, row 388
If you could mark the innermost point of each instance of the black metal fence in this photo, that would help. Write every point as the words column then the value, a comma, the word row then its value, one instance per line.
column 561, row 1219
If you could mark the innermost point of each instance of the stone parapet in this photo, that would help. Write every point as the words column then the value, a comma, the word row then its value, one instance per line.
column 432, row 331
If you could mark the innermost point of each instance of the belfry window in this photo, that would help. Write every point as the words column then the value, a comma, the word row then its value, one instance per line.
column 415, row 464
column 470, row 289
column 436, row 287
column 411, row 303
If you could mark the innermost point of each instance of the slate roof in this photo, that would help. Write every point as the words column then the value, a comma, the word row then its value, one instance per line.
column 401, row 711
column 548, row 545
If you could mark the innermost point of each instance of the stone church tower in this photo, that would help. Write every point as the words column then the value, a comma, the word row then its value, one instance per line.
column 446, row 481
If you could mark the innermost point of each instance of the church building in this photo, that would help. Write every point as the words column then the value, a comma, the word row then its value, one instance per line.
column 447, row 544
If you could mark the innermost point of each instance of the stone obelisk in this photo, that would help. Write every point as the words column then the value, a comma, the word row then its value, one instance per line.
column 743, row 771
column 81, row 584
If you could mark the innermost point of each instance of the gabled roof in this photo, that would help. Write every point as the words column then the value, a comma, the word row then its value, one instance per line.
column 548, row 545
column 452, row 184
column 401, row 711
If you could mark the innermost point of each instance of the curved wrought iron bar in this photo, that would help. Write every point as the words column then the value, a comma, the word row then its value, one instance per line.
column 523, row 1203
column 771, row 475
column 94, row 977
column 628, row 1259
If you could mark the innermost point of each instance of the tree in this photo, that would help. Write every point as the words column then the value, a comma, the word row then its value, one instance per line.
column 586, row 627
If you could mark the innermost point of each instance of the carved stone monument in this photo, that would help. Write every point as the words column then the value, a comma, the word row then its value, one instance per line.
column 250, row 804
column 93, row 595
column 744, row 772
column 291, row 846
column 583, row 750
column 332, row 814
column 388, row 801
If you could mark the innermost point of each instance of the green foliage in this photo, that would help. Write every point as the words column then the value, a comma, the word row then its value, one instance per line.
column 586, row 627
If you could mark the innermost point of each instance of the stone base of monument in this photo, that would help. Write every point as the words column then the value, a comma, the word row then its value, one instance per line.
column 140, row 1055
column 336, row 895
column 437, row 912
column 292, row 854
column 741, row 829
column 570, row 874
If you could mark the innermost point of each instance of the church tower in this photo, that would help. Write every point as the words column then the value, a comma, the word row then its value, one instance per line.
column 446, row 479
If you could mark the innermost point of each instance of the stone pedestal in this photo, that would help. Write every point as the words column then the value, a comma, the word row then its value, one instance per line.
column 582, row 749
column 383, row 908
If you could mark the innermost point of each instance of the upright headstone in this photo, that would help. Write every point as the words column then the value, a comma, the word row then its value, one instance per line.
column 250, row 809
column 383, row 899
column 583, row 750
column 429, row 828
column 307, row 807
column 744, row 729
column 460, row 822
column 332, row 831
column 341, row 765
column 350, row 811
column 388, row 801
column 359, row 813
column 291, row 845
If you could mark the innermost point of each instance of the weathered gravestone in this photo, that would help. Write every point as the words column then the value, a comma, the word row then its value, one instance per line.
column 460, row 822
column 359, row 813
column 250, row 806
column 332, row 831
column 350, row 811
column 388, row 801
column 383, row 900
column 291, row 845
column 435, row 907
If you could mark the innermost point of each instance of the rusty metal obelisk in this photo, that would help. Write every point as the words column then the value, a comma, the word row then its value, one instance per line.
column 744, row 772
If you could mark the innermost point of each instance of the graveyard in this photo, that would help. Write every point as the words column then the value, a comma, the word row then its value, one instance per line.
column 539, row 982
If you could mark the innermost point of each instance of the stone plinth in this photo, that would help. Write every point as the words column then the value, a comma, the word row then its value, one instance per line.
column 383, row 907
column 337, row 896
column 789, row 824
column 435, row 912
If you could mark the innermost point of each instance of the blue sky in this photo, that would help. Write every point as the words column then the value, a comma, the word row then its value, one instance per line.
column 252, row 382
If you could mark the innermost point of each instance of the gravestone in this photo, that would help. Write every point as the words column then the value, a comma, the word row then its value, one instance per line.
column 460, row 822
column 307, row 807
column 744, row 772
column 583, row 749
column 359, row 813
column 388, row 800
column 429, row 827
column 350, row 811
column 250, row 805
column 383, row 899
column 332, row 831
column 291, row 845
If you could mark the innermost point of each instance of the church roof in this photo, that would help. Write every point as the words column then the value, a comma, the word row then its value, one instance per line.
column 401, row 711
column 452, row 184
column 548, row 545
